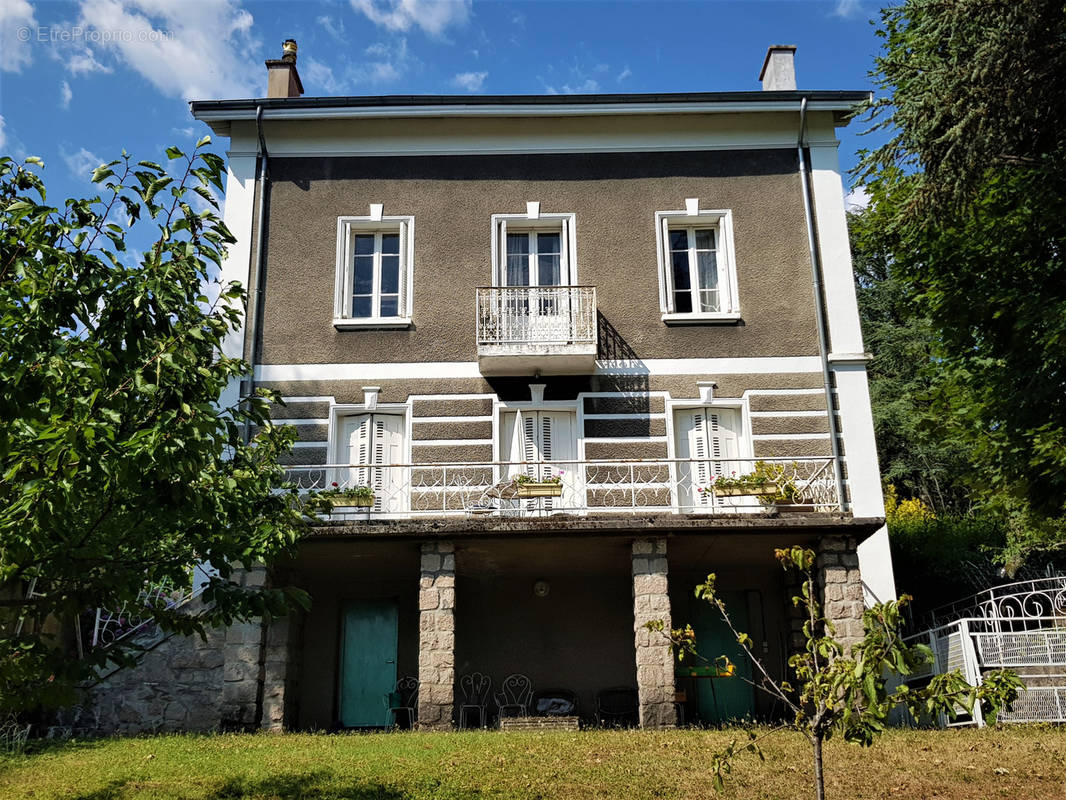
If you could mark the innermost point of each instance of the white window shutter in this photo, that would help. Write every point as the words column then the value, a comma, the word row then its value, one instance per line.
column 402, row 306
column 668, row 267
column 359, row 441
column 702, row 469
column 501, row 260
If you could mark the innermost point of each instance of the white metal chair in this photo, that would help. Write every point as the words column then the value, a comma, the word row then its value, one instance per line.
column 475, row 689
column 514, row 695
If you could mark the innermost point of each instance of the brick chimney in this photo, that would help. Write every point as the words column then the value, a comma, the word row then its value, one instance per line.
column 282, row 78
column 778, row 72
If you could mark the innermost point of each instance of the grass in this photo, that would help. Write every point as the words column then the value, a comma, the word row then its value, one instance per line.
column 1015, row 763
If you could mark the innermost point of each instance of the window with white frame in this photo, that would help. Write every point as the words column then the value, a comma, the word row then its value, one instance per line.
column 374, row 266
column 533, row 249
column 697, row 272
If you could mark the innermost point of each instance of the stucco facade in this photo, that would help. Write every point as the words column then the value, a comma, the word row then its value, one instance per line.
column 390, row 227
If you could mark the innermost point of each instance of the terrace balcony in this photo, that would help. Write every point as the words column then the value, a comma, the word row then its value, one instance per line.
column 522, row 330
column 517, row 490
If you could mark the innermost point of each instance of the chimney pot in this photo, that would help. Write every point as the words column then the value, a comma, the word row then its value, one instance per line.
column 778, row 70
column 282, row 78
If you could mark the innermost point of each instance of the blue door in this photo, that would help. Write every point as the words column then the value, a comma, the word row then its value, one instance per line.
column 368, row 662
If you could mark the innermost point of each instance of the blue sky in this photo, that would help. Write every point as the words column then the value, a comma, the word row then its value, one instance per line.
column 80, row 81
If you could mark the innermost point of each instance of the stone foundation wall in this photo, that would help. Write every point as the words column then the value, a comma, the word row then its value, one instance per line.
column 176, row 687
column 655, row 656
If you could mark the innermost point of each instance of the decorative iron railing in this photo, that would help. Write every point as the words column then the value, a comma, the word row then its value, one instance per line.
column 1009, row 604
column 536, row 315
column 582, row 487
column 111, row 625
column 1020, row 626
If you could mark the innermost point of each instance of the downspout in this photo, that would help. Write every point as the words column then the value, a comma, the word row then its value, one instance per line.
column 819, row 306
column 256, row 301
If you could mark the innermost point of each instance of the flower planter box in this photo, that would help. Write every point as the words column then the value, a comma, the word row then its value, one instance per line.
column 352, row 502
column 539, row 490
column 741, row 491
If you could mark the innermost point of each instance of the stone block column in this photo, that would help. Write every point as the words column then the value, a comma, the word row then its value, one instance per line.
column 838, row 576
column 436, row 636
column 655, row 656
column 241, row 669
column 280, row 666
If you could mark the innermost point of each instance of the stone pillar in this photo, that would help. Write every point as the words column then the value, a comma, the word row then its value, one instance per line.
column 241, row 671
column 436, row 636
column 280, row 665
column 841, row 584
column 655, row 656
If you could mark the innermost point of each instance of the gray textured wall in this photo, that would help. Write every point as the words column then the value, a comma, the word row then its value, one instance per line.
column 614, row 197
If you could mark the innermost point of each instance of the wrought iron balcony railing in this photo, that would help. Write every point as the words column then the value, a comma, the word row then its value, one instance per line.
column 576, row 487
column 536, row 316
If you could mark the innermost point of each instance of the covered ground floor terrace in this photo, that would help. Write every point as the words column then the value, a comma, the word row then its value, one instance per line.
column 448, row 613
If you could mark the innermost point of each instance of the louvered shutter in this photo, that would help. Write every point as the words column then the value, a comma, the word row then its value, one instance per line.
column 359, row 442
column 702, row 470
column 388, row 455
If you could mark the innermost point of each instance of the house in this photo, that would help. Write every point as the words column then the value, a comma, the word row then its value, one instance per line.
column 621, row 299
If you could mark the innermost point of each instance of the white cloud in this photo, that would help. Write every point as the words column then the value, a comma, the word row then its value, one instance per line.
column 82, row 163
column 318, row 76
column 192, row 50
column 79, row 59
column 65, row 95
column 857, row 199
column 186, row 132
column 432, row 16
column 848, row 9
column 17, row 28
column 387, row 63
column 470, row 81
column 334, row 27
column 625, row 73
column 10, row 144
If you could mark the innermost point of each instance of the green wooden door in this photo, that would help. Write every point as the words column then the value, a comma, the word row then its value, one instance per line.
column 726, row 698
column 368, row 662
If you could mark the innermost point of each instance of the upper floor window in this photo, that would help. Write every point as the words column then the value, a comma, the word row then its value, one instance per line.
column 533, row 249
column 697, row 273
column 374, row 265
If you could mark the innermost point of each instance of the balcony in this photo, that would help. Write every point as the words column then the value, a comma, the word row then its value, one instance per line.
column 522, row 330
column 584, row 488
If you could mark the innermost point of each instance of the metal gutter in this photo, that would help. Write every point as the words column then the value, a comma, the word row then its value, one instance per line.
column 256, row 302
column 819, row 305
column 522, row 105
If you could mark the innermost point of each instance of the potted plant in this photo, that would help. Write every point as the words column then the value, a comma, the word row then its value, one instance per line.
column 336, row 497
column 773, row 484
column 525, row 486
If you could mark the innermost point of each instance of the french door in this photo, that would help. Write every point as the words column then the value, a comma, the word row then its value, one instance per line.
column 536, row 260
column 708, row 446
column 374, row 444
column 543, row 444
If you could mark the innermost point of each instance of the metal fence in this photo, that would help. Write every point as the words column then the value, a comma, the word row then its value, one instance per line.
column 582, row 487
column 532, row 315
column 1019, row 626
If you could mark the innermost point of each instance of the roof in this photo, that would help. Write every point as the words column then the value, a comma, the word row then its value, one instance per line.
column 216, row 111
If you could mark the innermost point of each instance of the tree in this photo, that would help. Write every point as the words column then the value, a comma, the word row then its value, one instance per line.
column 917, row 455
column 970, row 194
column 844, row 690
column 119, row 469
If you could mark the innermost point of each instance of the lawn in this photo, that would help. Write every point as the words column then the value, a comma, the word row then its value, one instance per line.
column 1017, row 763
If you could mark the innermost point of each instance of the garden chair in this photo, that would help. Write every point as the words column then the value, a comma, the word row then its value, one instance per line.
column 513, row 697
column 475, row 689
column 404, row 698
column 617, row 706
